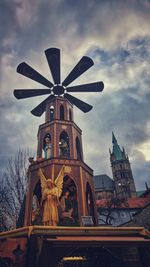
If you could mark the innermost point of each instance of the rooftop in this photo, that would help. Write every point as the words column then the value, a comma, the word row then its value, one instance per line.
column 103, row 183
column 133, row 203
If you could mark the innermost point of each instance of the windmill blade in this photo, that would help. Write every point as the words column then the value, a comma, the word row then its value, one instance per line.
column 24, row 69
column 78, row 103
column 90, row 87
column 26, row 93
column 38, row 110
column 84, row 64
column 53, row 58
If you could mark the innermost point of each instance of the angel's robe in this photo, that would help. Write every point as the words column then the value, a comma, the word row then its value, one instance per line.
column 50, row 210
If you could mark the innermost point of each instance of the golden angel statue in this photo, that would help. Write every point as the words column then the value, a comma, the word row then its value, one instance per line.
column 51, row 192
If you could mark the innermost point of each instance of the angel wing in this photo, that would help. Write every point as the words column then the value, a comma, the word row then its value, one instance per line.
column 42, row 179
column 59, row 179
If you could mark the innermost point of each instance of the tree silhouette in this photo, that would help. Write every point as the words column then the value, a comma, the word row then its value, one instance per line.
column 109, row 205
column 12, row 191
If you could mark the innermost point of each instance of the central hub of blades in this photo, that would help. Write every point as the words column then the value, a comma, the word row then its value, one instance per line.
column 58, row 90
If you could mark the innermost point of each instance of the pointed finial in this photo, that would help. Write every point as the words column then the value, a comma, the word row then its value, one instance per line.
column 116, row 148
column 146, row 186
column 114, row 140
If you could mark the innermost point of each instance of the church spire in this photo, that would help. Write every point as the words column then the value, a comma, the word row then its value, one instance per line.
column 116, row 148
column 122, row 173
column 114, row 140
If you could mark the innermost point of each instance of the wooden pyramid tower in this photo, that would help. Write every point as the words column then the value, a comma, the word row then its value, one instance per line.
column 60, row 143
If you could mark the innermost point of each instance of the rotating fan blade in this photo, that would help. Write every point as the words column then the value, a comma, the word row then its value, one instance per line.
column 84, row 64
column 38, row 110
column 78, row 103
column 53, row 58
column 90, row 87
column 24, row 69
column 25, row 93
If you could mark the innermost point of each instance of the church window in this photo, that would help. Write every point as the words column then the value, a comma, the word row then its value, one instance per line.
column 70, row 115
column 47, row 146
column 64, row 149
column 62, row 113
column 89, row 202
column 122, row 175
column 51, row 113
column 78, row 149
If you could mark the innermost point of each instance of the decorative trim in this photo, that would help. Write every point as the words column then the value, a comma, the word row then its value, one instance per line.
column 53, row 168
column 54, row 143
column 83, row 193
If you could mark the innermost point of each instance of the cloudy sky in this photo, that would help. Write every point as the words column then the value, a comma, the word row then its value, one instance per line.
column 116, row 35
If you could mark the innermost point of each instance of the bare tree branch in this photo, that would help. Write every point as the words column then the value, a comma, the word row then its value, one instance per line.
column 13, row 188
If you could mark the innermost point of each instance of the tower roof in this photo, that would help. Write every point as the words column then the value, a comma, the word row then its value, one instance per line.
column 103, row 182
column 116, row 148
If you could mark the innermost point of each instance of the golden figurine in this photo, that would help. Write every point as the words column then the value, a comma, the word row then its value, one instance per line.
column 51, row 192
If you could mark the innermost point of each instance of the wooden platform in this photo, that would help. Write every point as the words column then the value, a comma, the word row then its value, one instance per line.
column 45, row 244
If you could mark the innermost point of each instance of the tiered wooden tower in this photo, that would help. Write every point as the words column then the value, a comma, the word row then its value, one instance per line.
column 66, row 149
column 60, row 143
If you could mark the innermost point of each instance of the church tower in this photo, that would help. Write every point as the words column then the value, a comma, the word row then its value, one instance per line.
column 122, row 173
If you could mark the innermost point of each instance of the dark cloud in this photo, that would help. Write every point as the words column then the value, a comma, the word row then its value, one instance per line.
column 8, row 18
column 128, row 118
column 135, row 49
column 141, row 168
column 116, row 35
column 17, row 132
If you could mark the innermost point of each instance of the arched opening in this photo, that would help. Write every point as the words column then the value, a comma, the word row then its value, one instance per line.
column 51, row 113
column 68, row 209
column 62, row 113
column 64, row 150
column 70, row 115
column 36, row 216
column 47, row 146
column 90, row 203
column 78, row 149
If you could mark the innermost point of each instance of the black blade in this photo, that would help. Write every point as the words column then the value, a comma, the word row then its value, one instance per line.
column 25, row 93
column 78, row 103
column 90, row 87
column 38, row 110
column 84, row 64
column 24, row 69
column 53, row 58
